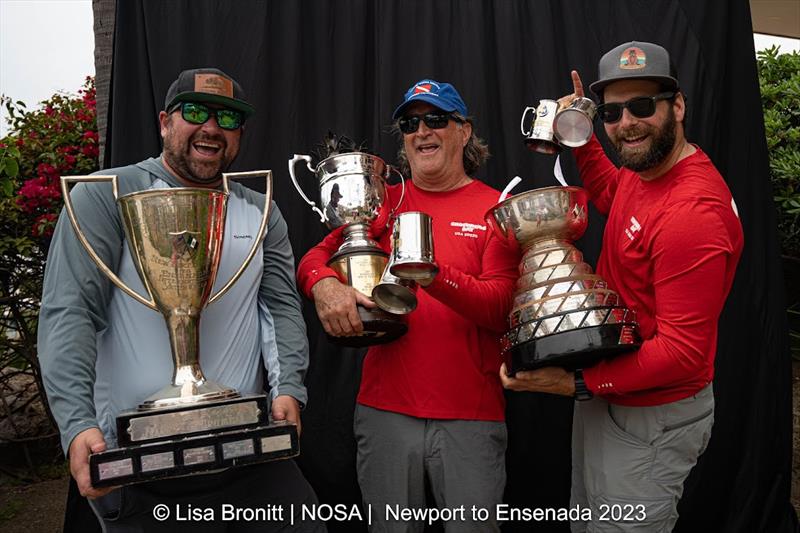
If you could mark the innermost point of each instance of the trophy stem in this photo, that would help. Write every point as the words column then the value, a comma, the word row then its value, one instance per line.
column 189, row 385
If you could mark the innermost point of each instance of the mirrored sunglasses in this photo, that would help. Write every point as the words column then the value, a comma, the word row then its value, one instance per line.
column 639, row 107
column 435, row 121
column 194, row 113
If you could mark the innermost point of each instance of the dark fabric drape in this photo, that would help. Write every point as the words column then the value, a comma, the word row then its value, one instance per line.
column 313, row 65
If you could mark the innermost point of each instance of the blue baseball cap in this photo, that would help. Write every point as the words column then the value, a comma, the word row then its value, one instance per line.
column 442, row 95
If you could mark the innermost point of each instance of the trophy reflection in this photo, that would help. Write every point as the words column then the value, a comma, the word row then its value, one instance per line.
column 352, row 188
column 193, row 424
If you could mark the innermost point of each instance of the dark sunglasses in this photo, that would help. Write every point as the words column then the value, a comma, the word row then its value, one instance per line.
column 435, row 121
column 639, row 107
column 228, row 119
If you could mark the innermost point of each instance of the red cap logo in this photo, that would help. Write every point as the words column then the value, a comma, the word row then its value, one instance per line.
column 632, row 58
column 422, row 88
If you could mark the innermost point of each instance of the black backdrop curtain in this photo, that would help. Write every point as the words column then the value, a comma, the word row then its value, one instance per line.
column 313, row 65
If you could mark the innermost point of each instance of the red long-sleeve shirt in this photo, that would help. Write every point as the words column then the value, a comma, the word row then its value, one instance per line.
column 670, row 248
column 446, row 366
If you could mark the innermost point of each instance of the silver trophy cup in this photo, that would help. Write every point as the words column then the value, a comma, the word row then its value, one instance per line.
column 352, row 188
column 563, row 314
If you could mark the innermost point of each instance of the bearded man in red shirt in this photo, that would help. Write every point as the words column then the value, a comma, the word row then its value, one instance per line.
column 670, row 248
column 430, row 403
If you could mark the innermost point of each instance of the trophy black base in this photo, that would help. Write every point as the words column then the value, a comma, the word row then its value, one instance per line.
column 192, row 455
column 577, row 348
column 380, row 327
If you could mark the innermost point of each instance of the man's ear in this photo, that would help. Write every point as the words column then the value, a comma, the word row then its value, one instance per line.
column 163, row 122
column 466, row 128
column 679, row 105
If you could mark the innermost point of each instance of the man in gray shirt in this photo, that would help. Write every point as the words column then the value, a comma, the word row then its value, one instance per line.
column 102, row 352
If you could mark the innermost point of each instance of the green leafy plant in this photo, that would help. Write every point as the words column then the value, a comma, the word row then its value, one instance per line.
column 58, row 138
column 779, row 78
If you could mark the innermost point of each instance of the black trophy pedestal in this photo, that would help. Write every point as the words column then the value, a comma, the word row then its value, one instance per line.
column 181, row 456
column 380, row 327
column 194, row 437
column 577, row 348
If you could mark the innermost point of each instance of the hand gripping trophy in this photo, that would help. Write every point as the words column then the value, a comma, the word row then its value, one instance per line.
column 192, row 425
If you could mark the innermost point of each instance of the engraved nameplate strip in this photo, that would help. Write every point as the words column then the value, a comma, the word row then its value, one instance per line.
column 193, row 420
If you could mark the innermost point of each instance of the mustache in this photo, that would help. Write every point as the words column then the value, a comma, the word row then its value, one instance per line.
column 203, row 136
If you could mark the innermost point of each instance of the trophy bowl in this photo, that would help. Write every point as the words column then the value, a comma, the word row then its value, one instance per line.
column 551, row 213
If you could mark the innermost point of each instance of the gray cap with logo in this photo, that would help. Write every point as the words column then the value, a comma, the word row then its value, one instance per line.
column 635, row 61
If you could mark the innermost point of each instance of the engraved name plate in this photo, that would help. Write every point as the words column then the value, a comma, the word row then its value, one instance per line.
column 112, row 469
column 193, row 420
column 276, row 443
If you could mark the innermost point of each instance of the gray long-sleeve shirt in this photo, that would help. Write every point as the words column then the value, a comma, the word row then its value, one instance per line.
column 102, row 352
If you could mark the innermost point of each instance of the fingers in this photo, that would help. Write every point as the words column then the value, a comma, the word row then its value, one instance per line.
column 336, row 307
column 577, row 84
column 84, row 444
column 285, row 407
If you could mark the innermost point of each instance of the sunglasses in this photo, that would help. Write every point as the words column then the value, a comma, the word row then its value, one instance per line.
column 435, row 121
column 639, row 107
column 227, row 119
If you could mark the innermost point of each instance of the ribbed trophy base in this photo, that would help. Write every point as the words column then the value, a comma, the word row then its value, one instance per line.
column 577, row 348
column 380, row 327
column 182, row 456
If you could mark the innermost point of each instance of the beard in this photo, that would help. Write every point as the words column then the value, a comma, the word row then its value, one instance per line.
column 179, row 157
column 662, row 141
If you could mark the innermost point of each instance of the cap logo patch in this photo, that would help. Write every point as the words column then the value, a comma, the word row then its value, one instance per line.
column 213, row 84
column 632, row 58
column 427, row 87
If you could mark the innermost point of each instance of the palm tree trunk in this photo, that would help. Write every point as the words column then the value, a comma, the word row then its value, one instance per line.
column 104, row 15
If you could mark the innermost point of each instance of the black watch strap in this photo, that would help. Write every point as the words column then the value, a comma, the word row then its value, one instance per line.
column 582, row 393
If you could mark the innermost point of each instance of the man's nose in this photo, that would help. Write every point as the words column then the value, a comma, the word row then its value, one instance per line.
column 211, row 124
column 628, row 118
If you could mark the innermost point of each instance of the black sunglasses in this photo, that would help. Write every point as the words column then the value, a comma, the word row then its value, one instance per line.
column 640, row 107
column 435, row 121
column 228, row 119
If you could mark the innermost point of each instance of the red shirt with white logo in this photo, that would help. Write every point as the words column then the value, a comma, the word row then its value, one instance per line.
column 446, row 366
column 670, row 249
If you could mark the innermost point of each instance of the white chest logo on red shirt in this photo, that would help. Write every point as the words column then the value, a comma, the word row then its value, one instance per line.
column 467, row 229
column 631, row 231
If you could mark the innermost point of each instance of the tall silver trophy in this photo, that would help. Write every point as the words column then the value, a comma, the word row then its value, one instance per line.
column 352, row 188
column 563, row 314
column 193, row 424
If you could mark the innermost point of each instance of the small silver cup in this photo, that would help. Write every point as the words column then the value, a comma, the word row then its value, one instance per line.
column 413, row 255
column 540, row 137
column 572, row 126
column 395, row 295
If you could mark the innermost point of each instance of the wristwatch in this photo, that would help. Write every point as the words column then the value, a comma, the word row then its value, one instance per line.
column 582, row 393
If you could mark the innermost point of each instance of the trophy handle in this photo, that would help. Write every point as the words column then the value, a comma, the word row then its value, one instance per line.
column 307, row 159
column 522, row 121
column 402, row 191
column 262, row 229
column 65, row 181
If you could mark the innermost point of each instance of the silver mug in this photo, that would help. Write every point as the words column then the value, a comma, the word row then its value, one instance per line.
column 413, row 254
column 540, row 136
column 572, row 125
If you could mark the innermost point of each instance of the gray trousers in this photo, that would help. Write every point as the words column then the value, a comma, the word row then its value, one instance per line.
column 629, row 463
column 464, row 461
column 262, row 488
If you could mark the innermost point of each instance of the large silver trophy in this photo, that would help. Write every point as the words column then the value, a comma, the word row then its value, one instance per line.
column 563, row 314
column 352, row 188
column 175, row 239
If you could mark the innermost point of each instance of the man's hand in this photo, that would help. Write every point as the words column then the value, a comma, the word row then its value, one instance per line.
column 85, row 443
column 551, row 379
column 577, row 91
column 285, row 407
column 336, row 307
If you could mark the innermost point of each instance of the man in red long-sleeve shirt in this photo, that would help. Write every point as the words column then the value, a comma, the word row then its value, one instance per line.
column 430, row 403
column 670, row 249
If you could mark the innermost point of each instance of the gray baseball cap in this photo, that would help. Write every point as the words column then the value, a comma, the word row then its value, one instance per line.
column 635, row 61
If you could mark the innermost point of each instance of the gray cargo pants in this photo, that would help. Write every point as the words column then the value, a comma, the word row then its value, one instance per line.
column 629, row 463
